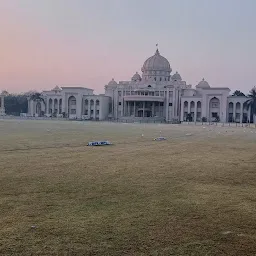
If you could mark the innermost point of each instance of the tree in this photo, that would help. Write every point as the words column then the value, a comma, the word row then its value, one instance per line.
column 16, row 104
column 37, row 96
column 238, row 93
column 251, row 103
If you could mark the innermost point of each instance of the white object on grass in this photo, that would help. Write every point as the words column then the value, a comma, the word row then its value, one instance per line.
column 98, row 143
column 160, row 138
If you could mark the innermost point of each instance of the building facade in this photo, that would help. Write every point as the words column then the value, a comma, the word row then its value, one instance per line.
column 156, row 95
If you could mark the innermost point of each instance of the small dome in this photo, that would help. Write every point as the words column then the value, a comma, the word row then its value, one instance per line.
column 156, row 63
column 112, row 82
column 176, row 77
column 203, row 84
column 56, row 88
column 136, row 77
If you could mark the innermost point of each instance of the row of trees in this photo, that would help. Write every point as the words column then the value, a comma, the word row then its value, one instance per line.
column 16, row 104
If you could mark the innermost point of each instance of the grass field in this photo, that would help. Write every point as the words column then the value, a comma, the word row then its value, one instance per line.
column 188, row 195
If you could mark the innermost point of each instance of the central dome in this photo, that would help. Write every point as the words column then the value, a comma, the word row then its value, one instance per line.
column 156, row 63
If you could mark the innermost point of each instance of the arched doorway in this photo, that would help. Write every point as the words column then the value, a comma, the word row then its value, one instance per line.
column 55, row 107
column 238, row 112
column 214, row 110
column 92, row 109
column 199, row 111
column 192, row 110
column 86, row 107
column 185, row 109
column 50, row 106
column 230, row 112
column 72, row 106
column 38, row 108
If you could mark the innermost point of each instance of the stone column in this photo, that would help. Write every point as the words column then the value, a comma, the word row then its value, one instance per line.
column 153, row 109
column 47, row 106
column 189, row 107
column 195, row 112
column 64, row 109
column 234, row 112
column 89, row 108
column 204, row 108
column 249, row 114
column 177, row 103
column 2, row 102
column 167, row 105
column 134, row 106
column 58, row 106
column 143, row 109
column 224, row 109
column 117, row 104
column 122, row 102
column 182, row 112
column 32, row 108
column 241, row 112
column 173, row 103
column 28, row 106
column 2, row 108
column 125, row 108
column 95, row 110
column 79, row 106
column 129, row 108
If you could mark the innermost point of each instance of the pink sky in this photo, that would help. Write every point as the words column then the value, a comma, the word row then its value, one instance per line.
column 48, row 43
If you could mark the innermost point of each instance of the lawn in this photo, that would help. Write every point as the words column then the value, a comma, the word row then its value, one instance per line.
column 189, row 195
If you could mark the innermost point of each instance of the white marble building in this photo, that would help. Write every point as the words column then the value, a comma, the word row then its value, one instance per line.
column 72, row 102
column 156, row 95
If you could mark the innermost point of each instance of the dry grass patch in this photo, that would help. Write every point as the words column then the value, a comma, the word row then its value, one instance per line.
column 189, row 195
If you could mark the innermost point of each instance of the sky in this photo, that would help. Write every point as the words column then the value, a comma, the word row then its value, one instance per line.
column 45, row 43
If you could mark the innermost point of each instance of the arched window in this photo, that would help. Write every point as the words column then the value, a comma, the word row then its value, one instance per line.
column 86, row 102
column 214, row 102
column 55, row 106
column 214, row 109
column 50, row 106
column 149, row 86
column 198, row 111
column 72, row 105
column 91, row 102
column 97, row 102
column 38, row 108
